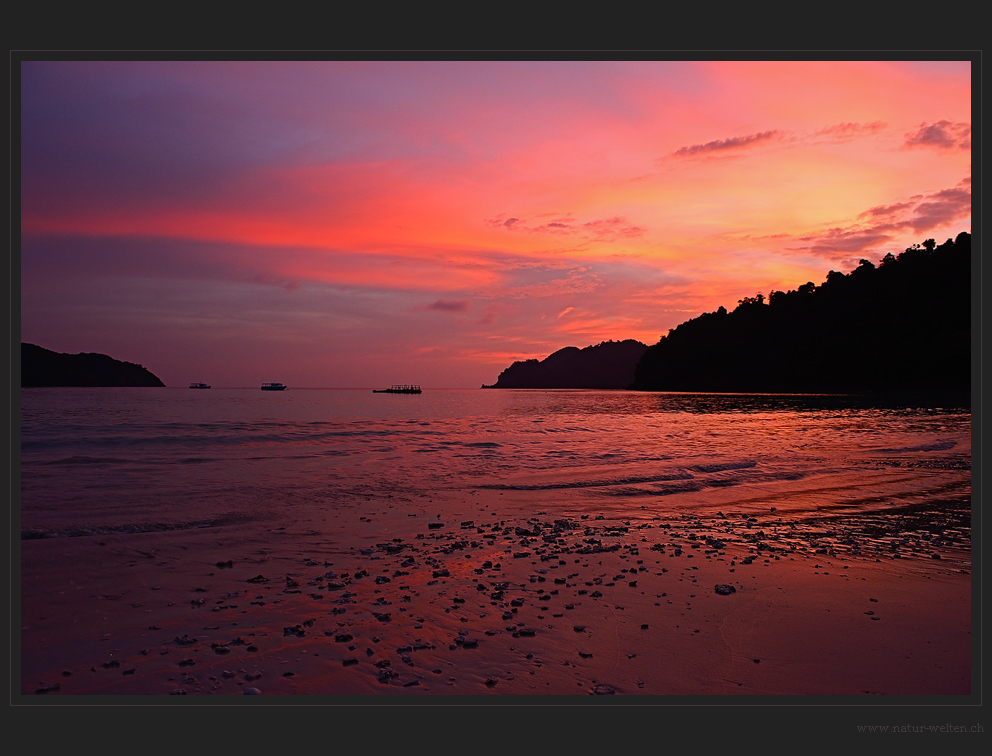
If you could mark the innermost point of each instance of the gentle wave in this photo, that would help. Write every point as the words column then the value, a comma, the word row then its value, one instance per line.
column 83, row 460
column 177, row 461
column 724, row 466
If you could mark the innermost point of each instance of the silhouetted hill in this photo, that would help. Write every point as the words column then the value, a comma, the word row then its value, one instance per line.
column 902, row 326
column 609, row 365
column 42, row 367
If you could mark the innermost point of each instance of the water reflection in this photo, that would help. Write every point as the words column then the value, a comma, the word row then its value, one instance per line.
column 644, row 403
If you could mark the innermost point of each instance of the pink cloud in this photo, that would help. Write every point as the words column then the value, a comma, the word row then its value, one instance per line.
column 843, row 132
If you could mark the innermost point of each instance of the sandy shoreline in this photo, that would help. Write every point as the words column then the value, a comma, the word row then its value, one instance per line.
column 441, row 596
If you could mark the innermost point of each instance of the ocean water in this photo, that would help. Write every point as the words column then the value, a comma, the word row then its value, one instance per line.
column 135, row 460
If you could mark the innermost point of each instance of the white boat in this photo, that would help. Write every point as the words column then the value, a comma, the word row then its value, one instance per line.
column 273, row 387
column 198, row 385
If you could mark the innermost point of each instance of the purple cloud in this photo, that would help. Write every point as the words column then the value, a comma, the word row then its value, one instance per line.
column 450, row 305
column 886, row 210
column 500, row 222
column 845, row 241
column 941, row 208
column 732, row 143
column 942, row 135
column 556, row 227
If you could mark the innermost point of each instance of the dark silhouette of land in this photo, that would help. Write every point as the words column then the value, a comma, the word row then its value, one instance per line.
column 43, row 367
column 903, row 326
column 609, row 365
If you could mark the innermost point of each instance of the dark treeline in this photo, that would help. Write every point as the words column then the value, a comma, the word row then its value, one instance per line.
column 903, row 326
column 43, row 367
column 608, row 365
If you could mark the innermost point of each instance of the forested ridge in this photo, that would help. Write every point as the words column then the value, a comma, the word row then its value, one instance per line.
column 43, row 367
column 903, row 325
column 608, row 365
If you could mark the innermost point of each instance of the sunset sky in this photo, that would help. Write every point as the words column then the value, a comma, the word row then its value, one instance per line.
column 357, row 224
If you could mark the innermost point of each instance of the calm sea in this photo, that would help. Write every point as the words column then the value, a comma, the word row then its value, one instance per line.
column 138, row 459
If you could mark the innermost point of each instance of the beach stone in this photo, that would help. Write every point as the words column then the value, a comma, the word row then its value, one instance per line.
column 253, row 692
column 604, row 690
column 725, row 590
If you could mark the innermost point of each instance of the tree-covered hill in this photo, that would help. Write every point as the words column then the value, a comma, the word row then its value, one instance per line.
column 608, row 365
column 43, row 367
column 904, row 325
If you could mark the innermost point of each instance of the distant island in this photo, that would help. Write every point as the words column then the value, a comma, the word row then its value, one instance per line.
column 904, row 326
column 43, row 367
column 608, row 365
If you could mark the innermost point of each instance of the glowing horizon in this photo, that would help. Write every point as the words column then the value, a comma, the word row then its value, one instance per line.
column 358, row 224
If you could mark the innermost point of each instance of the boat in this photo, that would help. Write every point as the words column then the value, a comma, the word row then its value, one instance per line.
column 198, row 385
column 399, row 389
column 273, row 387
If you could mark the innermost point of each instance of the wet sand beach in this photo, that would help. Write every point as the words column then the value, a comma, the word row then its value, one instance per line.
column 510, row 593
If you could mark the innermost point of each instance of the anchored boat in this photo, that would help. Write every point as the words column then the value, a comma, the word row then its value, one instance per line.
column 273, row 387
column 198, row 385
column 399, row 389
